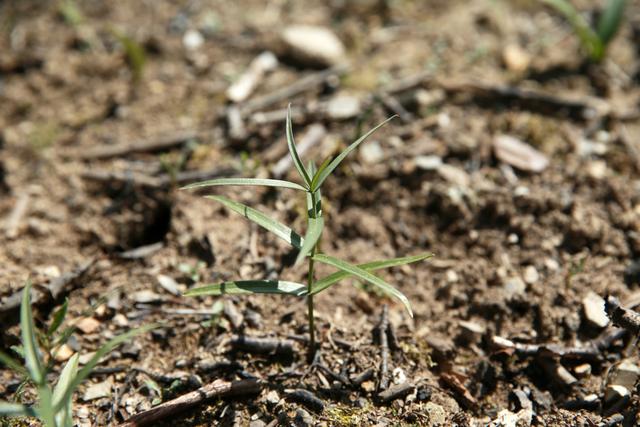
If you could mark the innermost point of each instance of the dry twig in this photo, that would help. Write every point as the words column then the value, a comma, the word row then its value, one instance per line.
column 218, row 388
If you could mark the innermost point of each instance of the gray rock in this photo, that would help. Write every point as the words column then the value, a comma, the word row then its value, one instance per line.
column 303, row 418
column 436, row 414
column 625, row 374
column 97, row 391
column 514, row 287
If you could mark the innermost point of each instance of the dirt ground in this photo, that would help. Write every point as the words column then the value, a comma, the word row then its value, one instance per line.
column 94, row 144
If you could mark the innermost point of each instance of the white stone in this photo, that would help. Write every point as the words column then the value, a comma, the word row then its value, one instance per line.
column 530, row 275
column 97, row 391
column 343, row 107
column 192, row 39
column 594, row 313
column 313, row 45
column 428, row 162
column 372, row 152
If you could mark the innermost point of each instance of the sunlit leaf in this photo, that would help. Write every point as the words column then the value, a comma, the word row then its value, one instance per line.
column 45, row 410
column 610, row 20
column 250, row 287
column 15, row 410
column 294, row 152
column 58, row 318
column 264, row 221
column 246, row 181
column 331, row 279
column 324, row 172
column 589, row 39
column 366, row 276
column 63, row 416
column 311, row 238
column 12, row 364
column 30, row 346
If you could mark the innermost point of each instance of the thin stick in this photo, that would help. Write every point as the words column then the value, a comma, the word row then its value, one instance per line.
column 18, row 212
column 162, row 143
column 289, row 91
column 312, row 329
column 218, row 388
column 384, row 348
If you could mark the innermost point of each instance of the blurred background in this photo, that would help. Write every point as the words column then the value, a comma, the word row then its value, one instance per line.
column 515, row 158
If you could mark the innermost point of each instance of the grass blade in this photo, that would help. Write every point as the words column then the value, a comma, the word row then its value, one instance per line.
column 366, row 276
column 609, row 22
column 250, row 287
column 264, row 221
column 326, row 169
column 102, row 351
column 58, row 318
column 245, row 181
column 589, row 39
column 15, row 410
column 294, row 153
column 66, row 376
column 29, row 344
column 63, row 417
column 45, row 410
column 314, row 232
column 12, row 364
column 331, row 279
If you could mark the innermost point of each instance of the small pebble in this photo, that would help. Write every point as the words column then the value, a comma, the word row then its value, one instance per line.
column 515, row 58
column 593, row 308
column 97, row 391
column 343, row 107
column 530, row 275
column 192, row 39
column 88, row 325
column 313, row 45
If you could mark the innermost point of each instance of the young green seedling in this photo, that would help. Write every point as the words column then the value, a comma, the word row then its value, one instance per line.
column 54, row 408
column 312, row 180
column 594, row 40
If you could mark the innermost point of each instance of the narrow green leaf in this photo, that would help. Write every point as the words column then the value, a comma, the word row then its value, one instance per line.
column 610, row 20
column 294, row 152
column 366, row 276
column 246, row 181
column 58, row 318
column 45, row 410
column 15, row 410
column 12, row 364
column 589, row 39
column 314, row 232
column 264, row 221
column 102, row 351
column 250, row 287
column 66, row 376
column 323, row 173
column 331, row 279
column 31, row 356
column 63, row 416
